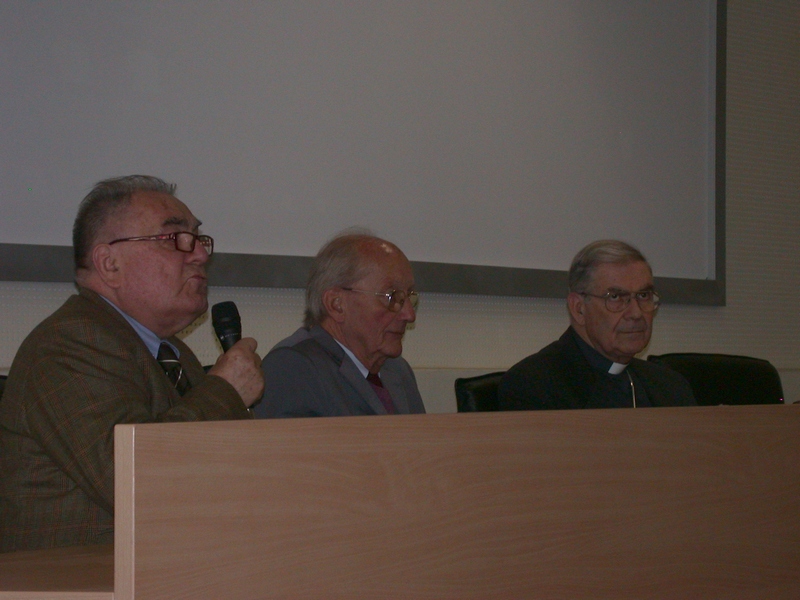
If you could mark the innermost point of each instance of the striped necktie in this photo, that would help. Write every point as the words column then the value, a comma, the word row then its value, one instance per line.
column 173, row 368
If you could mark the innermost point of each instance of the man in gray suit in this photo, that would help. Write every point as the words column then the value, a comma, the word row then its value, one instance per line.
column 346, row 360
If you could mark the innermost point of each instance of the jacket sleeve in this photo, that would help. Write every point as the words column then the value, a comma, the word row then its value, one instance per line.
column 80, row 381
column 293, row 386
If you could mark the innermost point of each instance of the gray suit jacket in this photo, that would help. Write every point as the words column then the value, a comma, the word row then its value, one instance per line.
column 309, row 375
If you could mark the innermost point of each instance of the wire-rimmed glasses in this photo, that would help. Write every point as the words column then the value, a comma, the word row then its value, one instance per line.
column 395, row 298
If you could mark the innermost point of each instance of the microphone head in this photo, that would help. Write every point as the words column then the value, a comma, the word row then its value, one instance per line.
column 227, row 324
column 225, row 313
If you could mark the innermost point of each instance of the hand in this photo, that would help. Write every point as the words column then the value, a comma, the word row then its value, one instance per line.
column 241, row 367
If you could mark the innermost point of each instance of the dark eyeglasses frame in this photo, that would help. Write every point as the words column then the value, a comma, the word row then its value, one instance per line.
column 178, row 237
column 396, row 298
column 652, row 300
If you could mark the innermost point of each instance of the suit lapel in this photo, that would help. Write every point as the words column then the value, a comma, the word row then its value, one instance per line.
column 349, row 370
column 163, row 394
column 394, row 383
column 651, row 387
column 582, row 376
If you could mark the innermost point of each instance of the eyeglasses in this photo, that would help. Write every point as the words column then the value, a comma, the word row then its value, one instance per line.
column 396, row 298
column 616, row 301
column 184, row 240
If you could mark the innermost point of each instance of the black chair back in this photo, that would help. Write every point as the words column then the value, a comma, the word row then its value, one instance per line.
column 478, row 394
column 726, row 379
column 2, row 384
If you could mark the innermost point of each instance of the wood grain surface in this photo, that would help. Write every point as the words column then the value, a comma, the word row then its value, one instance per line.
column 661, row 503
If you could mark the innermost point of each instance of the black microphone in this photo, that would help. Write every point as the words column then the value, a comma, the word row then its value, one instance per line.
column 227, row 324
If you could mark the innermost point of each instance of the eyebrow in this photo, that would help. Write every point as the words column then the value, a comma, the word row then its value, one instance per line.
column 179, row 222
column 392, row 286
column 649, row 288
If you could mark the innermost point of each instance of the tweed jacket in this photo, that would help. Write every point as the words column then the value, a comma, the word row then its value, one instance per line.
column 80, row 372
column 309, row 375
column 559, row 376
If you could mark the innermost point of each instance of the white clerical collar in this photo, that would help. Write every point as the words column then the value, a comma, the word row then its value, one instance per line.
column 616, row 368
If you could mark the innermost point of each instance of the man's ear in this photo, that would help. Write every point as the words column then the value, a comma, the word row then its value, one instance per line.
column 333, row 301
column 106, row 265
column 576, row 305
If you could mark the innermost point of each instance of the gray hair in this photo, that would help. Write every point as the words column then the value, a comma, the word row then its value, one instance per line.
column 341, row 262
column 581, row 272
column 108, row 198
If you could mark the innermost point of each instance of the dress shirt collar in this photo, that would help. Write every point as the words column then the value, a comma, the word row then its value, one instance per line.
column 150, row 339
column 364, row 371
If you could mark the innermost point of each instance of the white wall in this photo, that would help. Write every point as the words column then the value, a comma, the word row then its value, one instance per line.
column 467, row 334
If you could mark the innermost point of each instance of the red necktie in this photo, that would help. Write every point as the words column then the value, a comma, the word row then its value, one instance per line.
column 383, row 394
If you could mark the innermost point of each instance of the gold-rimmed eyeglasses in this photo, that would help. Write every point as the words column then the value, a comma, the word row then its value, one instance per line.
column 395, row 298
column 184, row 240
column 617, row 300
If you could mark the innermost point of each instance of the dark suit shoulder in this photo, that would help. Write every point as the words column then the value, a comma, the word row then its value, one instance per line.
column 664, row 386
column 86, row 316
column 82, row 326
column 303, row 379
column 551, row 355
column 398, row 365
column 308, row 352
column 313, row 349
column 544, row 380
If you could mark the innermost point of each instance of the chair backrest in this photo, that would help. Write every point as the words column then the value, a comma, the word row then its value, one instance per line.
column 478, row 394
column 2, row 384
column 726, row 379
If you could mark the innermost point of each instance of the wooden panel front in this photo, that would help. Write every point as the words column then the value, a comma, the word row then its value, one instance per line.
column 655, row 503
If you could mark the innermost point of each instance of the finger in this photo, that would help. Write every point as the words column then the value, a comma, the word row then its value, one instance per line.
column 249, row 343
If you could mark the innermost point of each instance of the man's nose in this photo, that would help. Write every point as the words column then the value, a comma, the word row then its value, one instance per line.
column 633, row 310
column 407, row 312
column 199, row 255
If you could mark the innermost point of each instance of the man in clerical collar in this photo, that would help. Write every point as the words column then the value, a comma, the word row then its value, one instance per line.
column 612, row 303
column 346, row 359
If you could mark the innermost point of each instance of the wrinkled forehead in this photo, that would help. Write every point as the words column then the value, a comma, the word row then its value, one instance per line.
column 624, row 276
column 156, row 212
